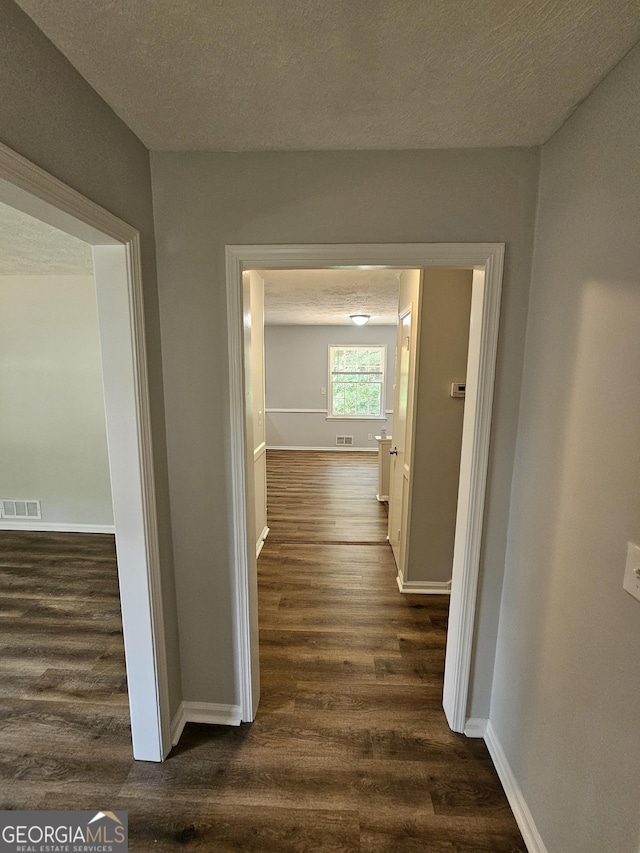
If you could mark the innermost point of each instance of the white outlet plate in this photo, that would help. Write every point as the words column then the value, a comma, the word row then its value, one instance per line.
column 632, row 570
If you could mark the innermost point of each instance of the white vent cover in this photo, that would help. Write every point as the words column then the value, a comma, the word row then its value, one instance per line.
column 16, row 508
column 342, row 440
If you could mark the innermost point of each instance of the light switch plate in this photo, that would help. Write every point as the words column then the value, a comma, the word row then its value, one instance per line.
column 632, row 570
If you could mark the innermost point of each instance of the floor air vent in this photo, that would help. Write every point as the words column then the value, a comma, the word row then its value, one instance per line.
column 344, row 440
column 20, row 509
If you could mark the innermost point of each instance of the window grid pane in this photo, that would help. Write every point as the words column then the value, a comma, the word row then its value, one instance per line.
column 356, row 379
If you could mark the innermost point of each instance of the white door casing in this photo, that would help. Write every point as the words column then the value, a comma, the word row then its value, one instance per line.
column 486, row 260
column 253, row 378
column 116, row 251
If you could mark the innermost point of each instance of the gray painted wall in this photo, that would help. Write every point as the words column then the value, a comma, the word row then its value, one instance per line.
column 566, row 698
column 206, row 200
column 50, row 114
column 53, row 436
column 297, row 370
column 444, row 343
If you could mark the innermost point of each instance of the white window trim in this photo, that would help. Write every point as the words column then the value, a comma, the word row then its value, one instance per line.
column 383, row 384
column 356, row 418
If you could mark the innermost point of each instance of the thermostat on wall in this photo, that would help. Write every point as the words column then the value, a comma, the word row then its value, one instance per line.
column 458, row 389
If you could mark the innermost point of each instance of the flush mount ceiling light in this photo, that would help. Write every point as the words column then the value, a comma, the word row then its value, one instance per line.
column 360, row 319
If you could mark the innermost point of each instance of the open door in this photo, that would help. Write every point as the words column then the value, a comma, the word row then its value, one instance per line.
column 406, row 367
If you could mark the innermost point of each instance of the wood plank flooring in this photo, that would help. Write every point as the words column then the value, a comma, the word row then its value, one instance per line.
column 352, row 676
column 64, row 717
column 350, row 752
column 324, row 497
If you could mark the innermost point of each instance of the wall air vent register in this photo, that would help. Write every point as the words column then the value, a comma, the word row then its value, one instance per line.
column 342, row 440
column 19, row 509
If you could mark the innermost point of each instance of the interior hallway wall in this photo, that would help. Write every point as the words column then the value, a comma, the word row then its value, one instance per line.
column 204, row 201
column 566, row 697
column 52, row 116
column 444, row 343
column 297, row 362
column 53, row 437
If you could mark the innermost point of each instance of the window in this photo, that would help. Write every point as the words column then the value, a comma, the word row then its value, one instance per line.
column 356, row 381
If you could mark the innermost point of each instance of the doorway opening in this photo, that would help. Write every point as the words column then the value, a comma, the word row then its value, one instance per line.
column 59, row 575
column 115, row 248
column 485, row 261
column 321, row 392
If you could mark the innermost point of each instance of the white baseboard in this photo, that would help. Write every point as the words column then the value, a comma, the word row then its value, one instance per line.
column 324, row 449
column 203, row 712
column 263, row 536
column 56, row 527
column 475, row 727
column 383, row 498
column 519, row 807
column 424, row 587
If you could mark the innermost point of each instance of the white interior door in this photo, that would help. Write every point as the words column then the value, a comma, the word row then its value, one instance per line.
column 399, row 473
column 409, row 302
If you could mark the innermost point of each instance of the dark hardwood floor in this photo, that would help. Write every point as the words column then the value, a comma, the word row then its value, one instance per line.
column 350, row 751
column 324, row 497
column 64, row 718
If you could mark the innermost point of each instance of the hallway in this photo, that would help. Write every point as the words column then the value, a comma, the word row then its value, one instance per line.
column 352, row 678
column 350, row 751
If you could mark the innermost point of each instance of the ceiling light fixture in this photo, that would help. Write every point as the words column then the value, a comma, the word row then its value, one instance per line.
column 360, row 319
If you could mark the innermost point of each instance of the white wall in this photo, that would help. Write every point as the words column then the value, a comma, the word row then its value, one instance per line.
column 566, row 696
column 52, row 421
column 204, row 201
column 297, row 370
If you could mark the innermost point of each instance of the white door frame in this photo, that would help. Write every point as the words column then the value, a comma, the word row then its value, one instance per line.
column 486, row 260
column 116, row 252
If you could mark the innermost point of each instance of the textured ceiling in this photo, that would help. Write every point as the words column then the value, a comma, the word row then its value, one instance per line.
column 30, row 247
column 328, row 297
column 341, row 74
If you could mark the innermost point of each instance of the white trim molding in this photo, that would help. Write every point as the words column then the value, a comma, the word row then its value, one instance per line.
column 260, row 450
column 423, row 587
column 356, row 418
column 476, row 727
column 519, row 807
column 56, row 527
column 261, row 540
column 118, row 275
column 296, row 411
column 486, row 294
column 203, row 712
column 486, row 261
column 330, row 449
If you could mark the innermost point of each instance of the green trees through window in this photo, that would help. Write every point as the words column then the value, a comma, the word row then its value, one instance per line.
column 356, row 378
